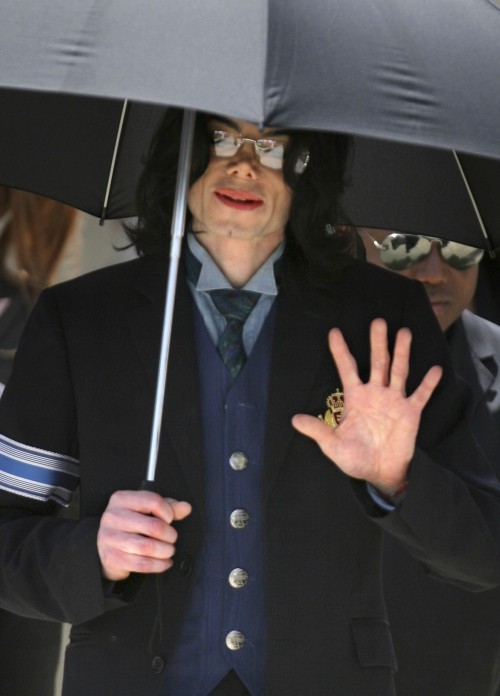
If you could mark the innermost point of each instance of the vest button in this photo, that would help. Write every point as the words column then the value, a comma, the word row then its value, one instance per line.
column 238, row 578
column 239, row 519
column 238, row 461
column 158, row 664
column 235, row 640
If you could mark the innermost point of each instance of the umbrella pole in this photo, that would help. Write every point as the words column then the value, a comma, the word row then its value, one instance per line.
column 177, row 233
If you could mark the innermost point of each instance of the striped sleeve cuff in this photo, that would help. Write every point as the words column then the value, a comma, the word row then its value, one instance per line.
column 36, row 473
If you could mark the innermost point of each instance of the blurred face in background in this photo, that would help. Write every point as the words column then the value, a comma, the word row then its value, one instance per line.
column 447, row 270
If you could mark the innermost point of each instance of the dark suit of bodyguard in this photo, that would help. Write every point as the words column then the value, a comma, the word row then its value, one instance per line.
column 458, row 633
column 77, row 411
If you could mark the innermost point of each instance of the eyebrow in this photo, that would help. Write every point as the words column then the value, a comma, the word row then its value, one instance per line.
column 232, row 124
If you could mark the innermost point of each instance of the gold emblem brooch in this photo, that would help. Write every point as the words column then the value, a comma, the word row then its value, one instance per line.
column 335, row 410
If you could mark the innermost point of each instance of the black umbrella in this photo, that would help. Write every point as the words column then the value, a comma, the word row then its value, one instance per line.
column 423, row 72
column 367, row 67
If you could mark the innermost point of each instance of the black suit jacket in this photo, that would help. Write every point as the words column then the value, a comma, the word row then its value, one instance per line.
column 12, row 322
column 23, row 641
column 83, row 384
column 448, row 641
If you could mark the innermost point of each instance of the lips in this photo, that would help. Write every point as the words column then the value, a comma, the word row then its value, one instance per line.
column 438, row 299
column 240, row 200
column 439, row 304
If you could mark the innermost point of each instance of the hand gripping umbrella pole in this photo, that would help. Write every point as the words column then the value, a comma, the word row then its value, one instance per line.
column 177, row 233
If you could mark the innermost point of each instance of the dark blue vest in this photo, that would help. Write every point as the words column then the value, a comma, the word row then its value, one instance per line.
column 225, row 624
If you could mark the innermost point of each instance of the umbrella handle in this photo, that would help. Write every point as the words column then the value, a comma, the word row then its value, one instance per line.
column 177, row 233
column 149, row 486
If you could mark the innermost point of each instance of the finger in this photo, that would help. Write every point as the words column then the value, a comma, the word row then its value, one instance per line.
column 312, row 427
column 180, row 508
column 122, row 552
column 134, row 554
column 143, row 564
column 146, row 502
column 344, row 360
column 401, row 360
column 139, row 545
column 150, row 503
column 124, row 521
column 425, row 389
column 379, row 353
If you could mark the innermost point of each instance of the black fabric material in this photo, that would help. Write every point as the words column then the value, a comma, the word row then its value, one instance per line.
column 95, row 341
column 447, row 640
column 29, row 648
column 12, row 322
column 231, row 685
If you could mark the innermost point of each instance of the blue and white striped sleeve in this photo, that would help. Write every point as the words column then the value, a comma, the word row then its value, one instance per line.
column 35, row 473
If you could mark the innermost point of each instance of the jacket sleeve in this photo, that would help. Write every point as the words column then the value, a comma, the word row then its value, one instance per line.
column 449, row 517
column 49, row 566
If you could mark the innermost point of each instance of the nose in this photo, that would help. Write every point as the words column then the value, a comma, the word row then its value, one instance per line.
column 432, row 269
column 245, row 161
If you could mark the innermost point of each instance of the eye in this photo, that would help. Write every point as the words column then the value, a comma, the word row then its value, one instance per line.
column 266, row 144
column 225, row 144
column 218, row 136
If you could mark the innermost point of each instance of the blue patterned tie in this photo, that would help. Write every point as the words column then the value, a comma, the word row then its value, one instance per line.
column 235, row 306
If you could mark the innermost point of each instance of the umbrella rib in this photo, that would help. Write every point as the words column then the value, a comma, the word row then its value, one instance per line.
column 113, row 161
column 474, row 204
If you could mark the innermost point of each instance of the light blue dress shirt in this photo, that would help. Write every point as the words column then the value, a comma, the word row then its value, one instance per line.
column 212, row 278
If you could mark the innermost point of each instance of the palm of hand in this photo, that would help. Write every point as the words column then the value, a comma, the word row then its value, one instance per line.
column 375, row 440
column 376, row 435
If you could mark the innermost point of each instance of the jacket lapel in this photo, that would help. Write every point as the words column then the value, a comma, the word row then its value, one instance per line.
column 145, row 318
column 471, row 353
column 300, row 350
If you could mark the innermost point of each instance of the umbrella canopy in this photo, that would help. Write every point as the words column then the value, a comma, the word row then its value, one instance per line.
column 424, row 190
column 62, row 146
column 424, row 72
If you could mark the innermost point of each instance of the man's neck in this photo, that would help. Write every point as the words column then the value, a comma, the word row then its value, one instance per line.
column 238, row 259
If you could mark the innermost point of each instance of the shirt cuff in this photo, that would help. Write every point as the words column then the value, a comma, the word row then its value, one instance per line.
column 379, row 500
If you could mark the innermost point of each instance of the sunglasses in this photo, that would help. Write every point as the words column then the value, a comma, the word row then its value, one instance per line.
column 270, row 152
column 399, row 251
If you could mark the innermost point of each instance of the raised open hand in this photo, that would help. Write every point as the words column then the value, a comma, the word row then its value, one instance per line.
column 375, row 439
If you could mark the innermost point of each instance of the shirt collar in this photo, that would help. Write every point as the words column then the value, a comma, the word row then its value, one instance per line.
column 212, row 278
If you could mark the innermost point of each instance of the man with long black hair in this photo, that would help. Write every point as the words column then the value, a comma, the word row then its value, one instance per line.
column 255, row 568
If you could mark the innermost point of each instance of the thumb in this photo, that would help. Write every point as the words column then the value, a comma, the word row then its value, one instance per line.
column 311, row 426
column 180, row 508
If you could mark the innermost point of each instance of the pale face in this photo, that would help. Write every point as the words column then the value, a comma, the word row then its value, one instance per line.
column 238, row 197
column 450, row 291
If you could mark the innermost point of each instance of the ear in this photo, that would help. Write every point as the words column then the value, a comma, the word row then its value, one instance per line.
column 302, row 162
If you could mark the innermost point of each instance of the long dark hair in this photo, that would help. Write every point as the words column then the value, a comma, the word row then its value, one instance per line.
column 319, row 237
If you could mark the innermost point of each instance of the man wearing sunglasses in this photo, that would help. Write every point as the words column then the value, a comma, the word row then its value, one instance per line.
column 447, row 641
column 256, row 567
